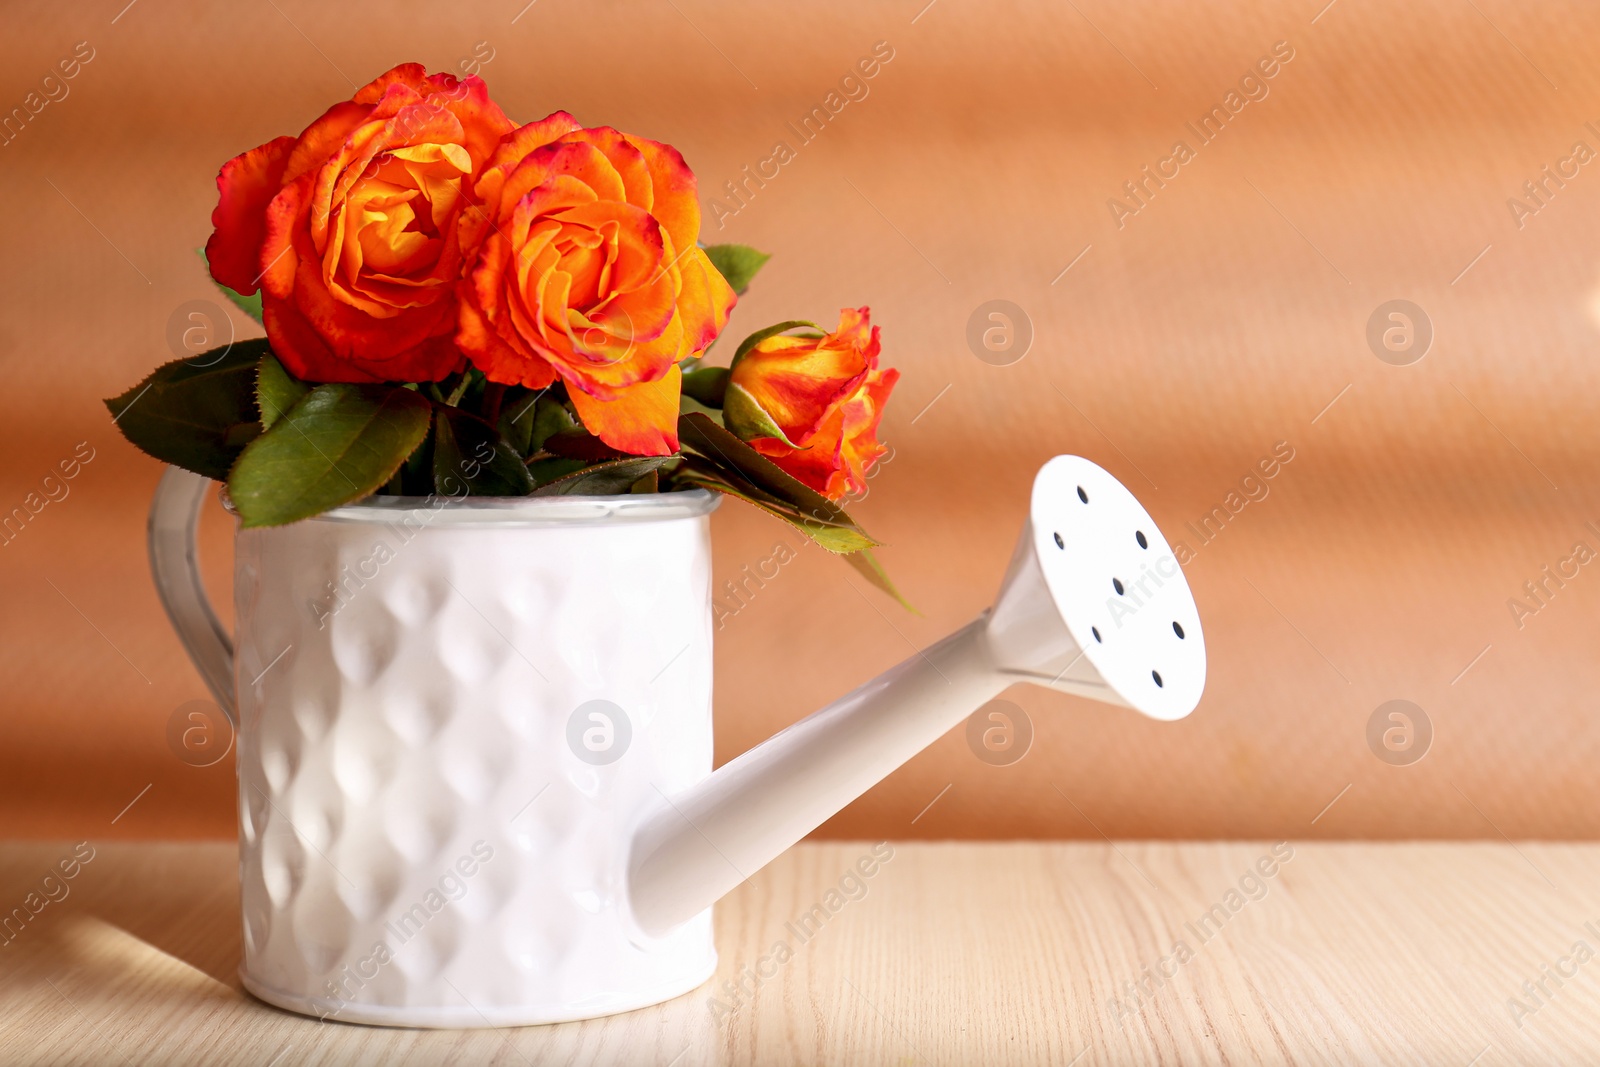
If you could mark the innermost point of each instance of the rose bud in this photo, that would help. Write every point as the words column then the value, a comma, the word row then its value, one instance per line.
column 811, row 404
column 588, row 271
column 351, row 229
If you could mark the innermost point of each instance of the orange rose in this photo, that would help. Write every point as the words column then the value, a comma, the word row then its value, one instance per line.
column 351, row 229
column 812, row 404
column 588, row 270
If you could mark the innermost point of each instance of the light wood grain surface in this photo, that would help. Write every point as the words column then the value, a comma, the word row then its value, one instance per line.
column 1227, row 315
column 953, row 954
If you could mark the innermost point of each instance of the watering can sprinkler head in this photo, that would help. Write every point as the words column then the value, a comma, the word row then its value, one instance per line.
column 1093, row 603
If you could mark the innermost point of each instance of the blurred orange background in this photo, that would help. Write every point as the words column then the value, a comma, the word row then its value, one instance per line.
column 1176, row 345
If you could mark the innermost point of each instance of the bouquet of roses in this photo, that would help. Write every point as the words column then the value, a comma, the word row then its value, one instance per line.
column 458, row 305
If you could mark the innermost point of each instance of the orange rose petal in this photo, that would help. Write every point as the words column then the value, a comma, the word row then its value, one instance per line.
column 859, row 430
column 644, row 253
column 535, row 188
column 434, row 358
column 301, row 349
column 589, row 165
column 855, row 326
column 817, row 465
column 410, row 127
column 797, row 403
column 323, row 137
column 705, row 302
column 550, row 305
column 500, row 361
column 799, row 380
column 825, row 395
column 245, row 186
column 412, row 74
column 520, row 143
column 483, row 123
column 277, row 259
column 429, row 360
column 643, row 421
column 673, row 186
column 357, row 230
column 626, row 158
column 605, row 369
column 579, row 271
column 365, row 340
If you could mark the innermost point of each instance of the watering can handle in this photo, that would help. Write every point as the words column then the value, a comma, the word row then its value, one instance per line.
column 175, row 563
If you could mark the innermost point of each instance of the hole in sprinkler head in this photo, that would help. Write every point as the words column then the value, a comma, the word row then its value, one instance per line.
column 1082, row 495
column 1157, row 676
column 1138, row 535
column 1096, row 631
column 1116, row 583
column 1177, row 629
column 1060, row 543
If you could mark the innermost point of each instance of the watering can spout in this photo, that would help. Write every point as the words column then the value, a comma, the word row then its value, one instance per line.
column 1094, row 603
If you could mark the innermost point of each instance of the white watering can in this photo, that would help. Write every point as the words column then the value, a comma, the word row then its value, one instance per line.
column 475, row 740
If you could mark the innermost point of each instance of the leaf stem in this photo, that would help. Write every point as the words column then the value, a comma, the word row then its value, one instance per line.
column 493, row 394
column 454, row 399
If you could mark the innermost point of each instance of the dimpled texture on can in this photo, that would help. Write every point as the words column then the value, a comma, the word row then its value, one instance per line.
column 419, row 843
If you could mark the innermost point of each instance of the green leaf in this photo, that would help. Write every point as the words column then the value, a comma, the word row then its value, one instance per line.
column 706, row 385
column 415, row 476
column 604, row 479
column 737, row 263
column 339, row 443
column 470, row 455
column 771, row 331
column 516, row 420
column 746, row 419
column 581, row 444
column 688, row 404
column 723, row 450
column 545, row 471
column 530, row 419
column 276, row 390
column 250, row 305
column 867, row 565
column 841, row 540
column 715, row 459
column 195, row 413
column 550, row 418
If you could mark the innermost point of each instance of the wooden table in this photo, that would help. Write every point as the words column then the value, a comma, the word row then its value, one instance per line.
column 955, row 954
